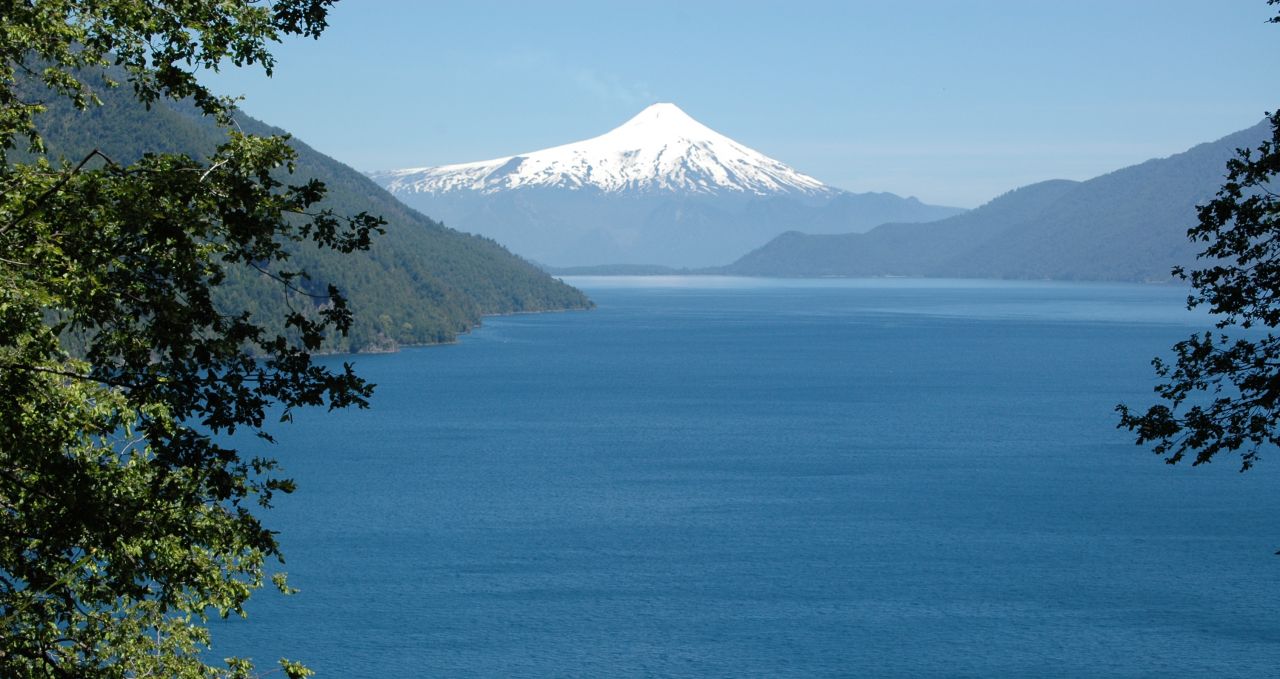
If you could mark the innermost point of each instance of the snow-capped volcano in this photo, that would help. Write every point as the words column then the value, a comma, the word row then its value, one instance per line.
column 660, row 189
column 661, row 149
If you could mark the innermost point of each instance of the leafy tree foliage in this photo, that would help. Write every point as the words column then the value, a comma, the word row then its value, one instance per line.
column 1222, row 394
column 124, row 522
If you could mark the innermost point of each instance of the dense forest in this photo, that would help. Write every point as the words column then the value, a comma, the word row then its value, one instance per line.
column 420, row 282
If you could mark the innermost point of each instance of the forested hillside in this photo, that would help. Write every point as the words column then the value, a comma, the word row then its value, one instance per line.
column 419, row 283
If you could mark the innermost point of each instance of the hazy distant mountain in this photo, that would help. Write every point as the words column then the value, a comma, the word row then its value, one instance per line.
column 1127, row 225
column 660, row 189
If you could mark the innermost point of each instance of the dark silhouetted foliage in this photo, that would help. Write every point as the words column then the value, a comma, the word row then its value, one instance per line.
column 1220, row 392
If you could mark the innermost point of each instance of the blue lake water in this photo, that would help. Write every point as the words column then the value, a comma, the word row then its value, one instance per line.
column 754, row 478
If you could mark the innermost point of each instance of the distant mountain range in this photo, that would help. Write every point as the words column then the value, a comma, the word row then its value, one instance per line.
column 661, row 189
column 420, row 283
column 1129, row 225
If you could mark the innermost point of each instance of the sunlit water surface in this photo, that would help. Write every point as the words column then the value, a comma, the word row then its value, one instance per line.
column 729, row 477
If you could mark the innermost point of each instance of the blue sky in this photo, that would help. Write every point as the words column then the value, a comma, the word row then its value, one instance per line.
column 952, row 102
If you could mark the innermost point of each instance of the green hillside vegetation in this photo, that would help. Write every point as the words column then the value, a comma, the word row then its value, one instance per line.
column 420, row 282
column 1128, row 225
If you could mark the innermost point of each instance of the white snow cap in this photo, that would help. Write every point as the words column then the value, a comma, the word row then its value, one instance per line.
column 660, row 149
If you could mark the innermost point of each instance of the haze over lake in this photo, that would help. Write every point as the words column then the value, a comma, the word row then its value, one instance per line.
column 750, row 477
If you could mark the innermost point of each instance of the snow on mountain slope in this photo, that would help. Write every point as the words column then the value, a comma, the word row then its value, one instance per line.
column 661, row 149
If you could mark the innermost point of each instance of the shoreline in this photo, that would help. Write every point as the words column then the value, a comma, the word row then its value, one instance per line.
column 455, row 340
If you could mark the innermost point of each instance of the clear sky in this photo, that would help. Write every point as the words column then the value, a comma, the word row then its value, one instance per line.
column 953, row 102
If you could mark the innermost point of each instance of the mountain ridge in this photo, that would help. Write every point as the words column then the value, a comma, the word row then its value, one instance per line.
column 1126, row 225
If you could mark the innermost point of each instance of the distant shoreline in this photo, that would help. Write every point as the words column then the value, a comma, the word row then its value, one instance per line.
column 629, row 270
column 642, row 270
